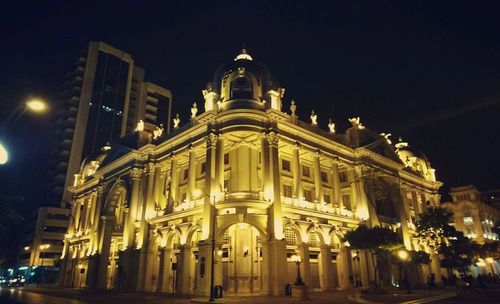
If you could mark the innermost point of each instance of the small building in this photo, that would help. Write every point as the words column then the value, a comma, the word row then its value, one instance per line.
column 475, row 214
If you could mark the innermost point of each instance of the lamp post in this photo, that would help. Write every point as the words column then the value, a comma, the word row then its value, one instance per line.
column 36, row 105
column 404, row 256
column 297, row 260
column 212, row 262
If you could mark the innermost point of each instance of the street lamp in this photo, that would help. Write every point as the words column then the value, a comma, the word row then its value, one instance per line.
column 404, row 256
column 297, row 260
column 36, row 105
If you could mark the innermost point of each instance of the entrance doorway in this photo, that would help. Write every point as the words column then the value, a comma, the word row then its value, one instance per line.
column 241, row 254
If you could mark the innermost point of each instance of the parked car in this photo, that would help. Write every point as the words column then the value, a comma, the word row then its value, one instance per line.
column 16, row 281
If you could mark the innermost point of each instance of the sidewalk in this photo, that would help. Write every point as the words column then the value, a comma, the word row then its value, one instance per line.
column 401, row 297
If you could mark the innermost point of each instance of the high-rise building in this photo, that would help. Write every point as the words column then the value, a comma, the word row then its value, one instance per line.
column 104, row 97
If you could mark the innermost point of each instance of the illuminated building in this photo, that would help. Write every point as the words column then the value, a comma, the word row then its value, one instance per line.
column 263, row 184
column 475, row 214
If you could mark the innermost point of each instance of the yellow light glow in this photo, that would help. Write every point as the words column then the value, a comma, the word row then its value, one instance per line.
column 219, row 252
column 4, row 155
column 36, row 105
column 197, row 193
column 27, row 248
column 44, row 246
column 403, row 254
column 490, row 260
column 296, row 258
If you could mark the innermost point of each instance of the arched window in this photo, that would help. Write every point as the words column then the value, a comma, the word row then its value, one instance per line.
column 241, row 87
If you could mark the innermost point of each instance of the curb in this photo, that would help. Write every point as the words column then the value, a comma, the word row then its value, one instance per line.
column 357, row 299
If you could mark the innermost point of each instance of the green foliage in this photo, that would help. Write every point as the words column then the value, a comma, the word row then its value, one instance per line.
column 456, row 250
column 10, row 219
column 490, row 250
column 379, row 241
column 433, row 226
column 459, row 252
column 373, row 239
column 420, row 257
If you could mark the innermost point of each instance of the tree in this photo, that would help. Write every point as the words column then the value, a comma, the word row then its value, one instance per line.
column 420, row 257
column 456, row 250
column 10, row 219
column 379, row 241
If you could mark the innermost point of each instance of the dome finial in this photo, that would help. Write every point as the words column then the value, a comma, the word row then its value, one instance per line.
column 243, row 55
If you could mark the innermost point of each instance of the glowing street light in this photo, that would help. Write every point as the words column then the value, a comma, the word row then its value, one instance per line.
column 4, row 155
column 36, row 105
column 403, row 255
column 297, row 260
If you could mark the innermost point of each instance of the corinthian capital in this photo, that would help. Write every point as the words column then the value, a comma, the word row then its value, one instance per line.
column 212, row 140
column 136, row 173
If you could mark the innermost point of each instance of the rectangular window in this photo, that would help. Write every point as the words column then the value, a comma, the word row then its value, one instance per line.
column 226, row 159
column 308, row 195
column 285, row 165
column 226, row 184
column 184, row 196
column 203, row 168
column 306, row 172
column 186, row 174
column 343, row 177
column 324, row 177
column 327, row 199
column 346, row 199
column 287, row 191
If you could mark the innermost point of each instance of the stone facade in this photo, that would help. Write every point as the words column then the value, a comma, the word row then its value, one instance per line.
column 245, row 184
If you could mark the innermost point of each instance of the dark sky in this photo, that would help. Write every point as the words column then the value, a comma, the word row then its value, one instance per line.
column 425, row 70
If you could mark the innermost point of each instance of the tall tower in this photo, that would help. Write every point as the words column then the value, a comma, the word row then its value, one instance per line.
column 102, row 101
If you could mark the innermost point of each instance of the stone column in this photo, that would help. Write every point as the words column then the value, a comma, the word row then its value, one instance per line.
column 274, row 267
column 174, row 183
column 318, row 183
column 274, row 173
column 204, row 270
column 166, row 274
column 191, row 175
column 404, row 215
column 129, row 229
column 148, row 202
column 95, row 219
column 297, row 172
column 78, row 210
column 219, row 173
column 183, row 270
column 365, row 268
column 305, row 266
column 327, row 282
column 266, row 179
column 210, row 187
column 108, row 223
column 351, row 175
column 157, row 188
column 337, row 194
column 343, row 269
column 150, row 257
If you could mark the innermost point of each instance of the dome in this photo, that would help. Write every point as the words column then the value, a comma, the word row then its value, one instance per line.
column 415, row 160
column 245, row 61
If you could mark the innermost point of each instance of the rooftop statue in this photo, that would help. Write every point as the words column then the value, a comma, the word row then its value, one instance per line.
column 331, row 126
column 177, row 121
column 314, row 118
column 356, row 123
column 158, row 131
column 194, row 110
column 140, row 126
column 293, row 107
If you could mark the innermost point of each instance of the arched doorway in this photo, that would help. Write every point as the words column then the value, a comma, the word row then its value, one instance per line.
column 112, row 225
column 241, row 259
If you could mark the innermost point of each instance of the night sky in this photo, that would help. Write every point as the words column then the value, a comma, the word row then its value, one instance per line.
column 428, row 71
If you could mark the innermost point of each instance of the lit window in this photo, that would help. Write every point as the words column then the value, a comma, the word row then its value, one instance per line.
column 324, row 177
column 290, row 237
column 285, row 165
column 308, row 195
column 226, row 158
column 468, row 220
column 343, row 177
column 287, row 191
column 306, row 172
column 346, row 200
column 327, row 199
